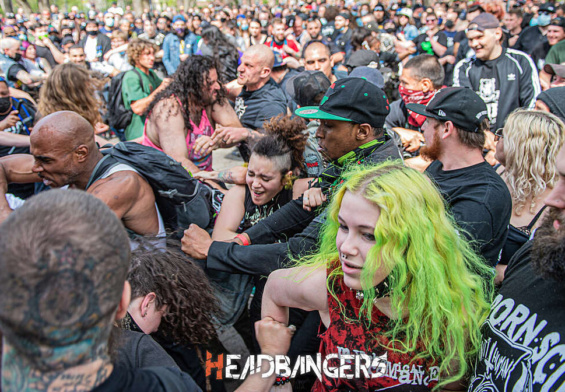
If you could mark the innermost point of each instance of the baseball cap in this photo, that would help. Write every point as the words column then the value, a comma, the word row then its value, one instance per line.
column 548, row 7
column 460, row 105
column 371, row 75
column 179, row 17
column 361, row 58
column 278, row 60
column 483, row 22
column 351, row 99
column 555, row 69
column 305, row 87
column 559, row 21
column 405, row 12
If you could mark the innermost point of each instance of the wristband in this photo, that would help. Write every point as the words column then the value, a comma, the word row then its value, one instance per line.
column 281, row 380
column 243, row 239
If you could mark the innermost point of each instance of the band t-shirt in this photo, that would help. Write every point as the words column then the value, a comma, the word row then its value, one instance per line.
column 423, row 44
column 522, row 348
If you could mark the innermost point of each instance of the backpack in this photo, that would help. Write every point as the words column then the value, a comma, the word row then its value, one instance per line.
column 118, row 116
column 181, row 199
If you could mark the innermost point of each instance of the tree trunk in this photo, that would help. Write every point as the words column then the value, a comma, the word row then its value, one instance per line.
column 146, row 4
column 7, row 6
column 25, row 5
column 43, row 4
column 137, row 7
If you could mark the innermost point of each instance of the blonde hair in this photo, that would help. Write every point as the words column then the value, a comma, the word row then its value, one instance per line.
column 71, row 87
column 532, row 139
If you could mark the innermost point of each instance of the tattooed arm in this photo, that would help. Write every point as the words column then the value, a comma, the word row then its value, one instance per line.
column 235, row 175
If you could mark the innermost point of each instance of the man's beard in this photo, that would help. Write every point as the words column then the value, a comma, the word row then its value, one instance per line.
column 548, row 247
column 434, row 150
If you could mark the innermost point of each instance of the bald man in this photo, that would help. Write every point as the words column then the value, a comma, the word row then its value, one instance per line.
column 318, row 57
column 63, row 152
column 260, row 99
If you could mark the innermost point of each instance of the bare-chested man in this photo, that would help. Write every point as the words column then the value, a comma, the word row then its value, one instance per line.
column 63, row 152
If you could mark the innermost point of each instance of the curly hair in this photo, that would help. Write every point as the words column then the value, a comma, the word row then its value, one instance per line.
column 532, row 139
column 181, row 286
column 189, row 84
column 71, row 87
column 447, row 292
column 285, row 142
column 136, row 48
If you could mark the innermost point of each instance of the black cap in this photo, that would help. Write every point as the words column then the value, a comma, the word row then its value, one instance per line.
column 361, row 58
column 351, row 99
column 305, row 87
column 548, row 7
column 460, row 105
column 379, row 7
column 559, row 21
column 371, row 75
column 484, row 22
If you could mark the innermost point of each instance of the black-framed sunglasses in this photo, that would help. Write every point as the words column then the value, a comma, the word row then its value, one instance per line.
column 498, row 134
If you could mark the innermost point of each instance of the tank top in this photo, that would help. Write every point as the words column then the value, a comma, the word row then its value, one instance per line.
column 517, row 236
column 254, row 213
column 204, row 162
column 391, row 370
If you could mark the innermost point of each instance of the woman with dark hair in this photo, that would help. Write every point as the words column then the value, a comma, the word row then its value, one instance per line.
column 216, row 45
column 171, row 298
column 182, row 118
column 275, row 159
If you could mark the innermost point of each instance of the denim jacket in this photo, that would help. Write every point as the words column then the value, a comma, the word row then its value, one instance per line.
column 172, row 52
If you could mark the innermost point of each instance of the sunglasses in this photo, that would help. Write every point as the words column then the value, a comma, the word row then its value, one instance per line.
column 498, row 134
column 430, row 20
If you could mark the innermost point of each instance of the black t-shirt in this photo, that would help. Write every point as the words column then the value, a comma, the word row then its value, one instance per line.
column 14, row 69
column 153, row 379
column 46, row 54
column 529, row 39
column 539, row 54
column 480, row 202
column 423, row 44
column 255, row 213
column 522, row 348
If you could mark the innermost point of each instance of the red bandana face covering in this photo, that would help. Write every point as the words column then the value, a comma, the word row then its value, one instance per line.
column 413, row 96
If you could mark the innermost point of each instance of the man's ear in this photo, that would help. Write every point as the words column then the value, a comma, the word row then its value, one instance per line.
column 363, row 132
column 81, row 153
column 449, row 130
column 427, row 85
column 124, row 301
column 266, row 73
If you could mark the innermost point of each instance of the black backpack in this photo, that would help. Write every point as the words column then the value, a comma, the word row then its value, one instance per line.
column 181, row 199
column 118, row 116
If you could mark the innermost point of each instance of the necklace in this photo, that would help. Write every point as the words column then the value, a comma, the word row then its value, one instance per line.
column 381, row 290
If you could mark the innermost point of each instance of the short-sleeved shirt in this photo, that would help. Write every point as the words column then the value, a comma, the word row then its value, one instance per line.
column 556, row 54
column 423, row 44
column 133, row 90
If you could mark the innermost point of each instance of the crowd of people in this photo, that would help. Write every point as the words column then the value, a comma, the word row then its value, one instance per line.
column 397, row 192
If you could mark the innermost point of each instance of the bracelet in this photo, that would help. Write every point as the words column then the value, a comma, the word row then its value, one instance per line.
column 243, row 239
column 281, row 380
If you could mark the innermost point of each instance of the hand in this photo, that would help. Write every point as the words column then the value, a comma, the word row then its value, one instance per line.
column 430, row 33
column 196, row 242
column 450, row 59
column 206, row 175
column 289, row 50
column 273, row 337
column 164, row 84
column 10, row 121
column 410, row 139
column 229, row 135
column 313, row 198
column 107, row 55
column 183, row 57
column 203, row 146
column 46, row 41
column 101, row 128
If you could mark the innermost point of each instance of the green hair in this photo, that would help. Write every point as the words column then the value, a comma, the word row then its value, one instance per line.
column 445, row 286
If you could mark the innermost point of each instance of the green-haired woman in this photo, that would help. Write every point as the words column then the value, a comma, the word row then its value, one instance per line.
column 393, row 280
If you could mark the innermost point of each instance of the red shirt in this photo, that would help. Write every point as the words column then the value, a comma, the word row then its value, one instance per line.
column 291, row 43
column 392, row 371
